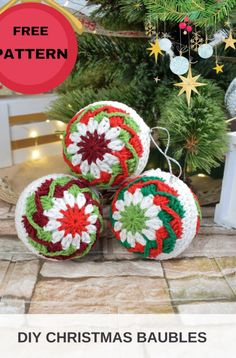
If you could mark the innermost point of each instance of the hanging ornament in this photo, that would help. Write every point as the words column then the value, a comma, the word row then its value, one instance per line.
column 205, row 51
column 218, row 68
column 189, row 28
column 58, row 218
column 155, row 215
column 184, row 25
column 137, row 5
column 165, row 35
column 179, row 65
column 230, row 41
column 165, row 44
column 230, row 98
column 150, row 29
column 155, row 49
column 105, row 143
column 188, row 85
column 157, row 79
column 196, row 41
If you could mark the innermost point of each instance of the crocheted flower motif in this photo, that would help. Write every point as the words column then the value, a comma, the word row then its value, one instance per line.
column 58, row 217
column 70, row 220
column 105, row 143
column 155, row 215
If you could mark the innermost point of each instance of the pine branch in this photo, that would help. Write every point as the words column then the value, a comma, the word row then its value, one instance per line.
column 198, row 133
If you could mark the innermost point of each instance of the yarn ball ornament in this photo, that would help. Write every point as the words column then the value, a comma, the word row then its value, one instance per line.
column 155, row 215
column 105, row 143
column 58, row 218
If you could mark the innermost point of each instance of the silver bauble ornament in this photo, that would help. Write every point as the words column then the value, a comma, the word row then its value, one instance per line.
column 230, row 98
column 179, row 65
column 165, row 44
column 205, row 51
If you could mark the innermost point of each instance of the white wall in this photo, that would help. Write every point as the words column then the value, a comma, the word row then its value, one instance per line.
column 21, row 105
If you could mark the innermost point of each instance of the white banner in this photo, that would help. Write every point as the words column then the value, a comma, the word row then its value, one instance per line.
column 117, row 336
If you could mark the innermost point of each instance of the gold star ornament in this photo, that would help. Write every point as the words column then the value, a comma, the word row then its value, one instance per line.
column 137, row 5
column 189, row 84
column 218, row 68
column 230, row 41
column 155, row 49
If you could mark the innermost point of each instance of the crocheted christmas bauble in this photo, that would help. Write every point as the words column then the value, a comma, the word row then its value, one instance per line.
column 155, row 215
column 58, row 218
column 105, row 143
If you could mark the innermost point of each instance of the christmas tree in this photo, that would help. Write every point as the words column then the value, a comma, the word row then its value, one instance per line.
column 118, row 63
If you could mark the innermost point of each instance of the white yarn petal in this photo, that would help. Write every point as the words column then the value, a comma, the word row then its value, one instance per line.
column 118, row 226
column 111, row 159
column 76, row 159
column 57, row 236
column 72, row 148
column 150, row 234
column 152, row 211
column 80, row 200
column 92, row 219
column 103, row 126
column 95, row 171
column 128, row 198
column 75, row 137
column 116, row 145
column 131, row 239
column 76, row 241
column 69, row 199
column 116, row 215
column 92, row 125
column 112, row 133
column 53, row 213
column 137, row 197
column 66, row 241
column 154, row 223
column 52, row 225
column 59, row 203
column 120, row 205
column 84, row 167
column 91, row 228
column 147, row 202
column 82, row 129
column 85, row 237
column 140, row 239
column 123, row 235
column 103, row 166
column 88, row 209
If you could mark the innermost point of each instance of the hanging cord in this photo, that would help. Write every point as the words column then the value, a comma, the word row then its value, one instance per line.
column 167, row 157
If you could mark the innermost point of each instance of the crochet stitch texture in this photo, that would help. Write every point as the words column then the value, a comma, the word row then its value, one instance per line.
column 57, row 217
column 155, row 215
column 105, row 143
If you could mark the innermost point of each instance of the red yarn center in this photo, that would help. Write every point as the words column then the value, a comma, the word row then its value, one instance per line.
column 93, row 146
column 74, row 220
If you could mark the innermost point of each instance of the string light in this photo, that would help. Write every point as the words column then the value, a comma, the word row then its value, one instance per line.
column 201, row 175
column 60, row 124
column 35, row 154
column 47, row 120
column 33, row 133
